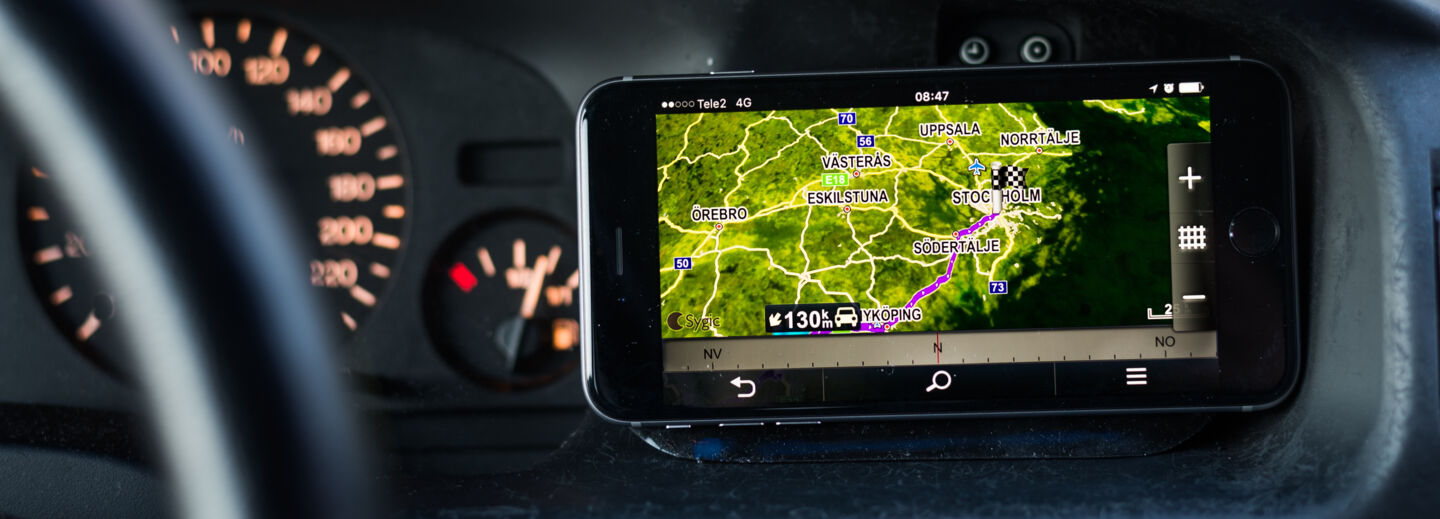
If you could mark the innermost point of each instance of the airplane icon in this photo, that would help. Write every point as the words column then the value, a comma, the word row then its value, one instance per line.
column 977, row 167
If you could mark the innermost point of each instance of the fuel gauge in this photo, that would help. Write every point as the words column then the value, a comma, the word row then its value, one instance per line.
column 501, row 301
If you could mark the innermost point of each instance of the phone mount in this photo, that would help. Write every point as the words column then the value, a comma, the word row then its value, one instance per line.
column 1007, row 438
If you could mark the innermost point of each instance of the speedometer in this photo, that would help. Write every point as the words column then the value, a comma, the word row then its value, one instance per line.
column 339, row 151
column 336, row 147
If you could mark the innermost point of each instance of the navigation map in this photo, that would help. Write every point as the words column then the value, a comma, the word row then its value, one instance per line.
column 917, row 219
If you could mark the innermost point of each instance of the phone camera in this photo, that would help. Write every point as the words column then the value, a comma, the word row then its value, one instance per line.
column 1036, row 49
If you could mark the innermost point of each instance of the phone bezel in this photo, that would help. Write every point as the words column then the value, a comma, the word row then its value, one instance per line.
column 621, row 340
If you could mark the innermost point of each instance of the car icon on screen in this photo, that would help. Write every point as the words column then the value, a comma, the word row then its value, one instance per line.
column 845, row 315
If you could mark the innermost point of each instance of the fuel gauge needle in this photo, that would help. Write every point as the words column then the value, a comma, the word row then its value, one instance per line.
column 532, row 290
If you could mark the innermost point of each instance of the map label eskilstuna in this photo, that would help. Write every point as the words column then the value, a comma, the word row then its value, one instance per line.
column 718, row 214
column 930, row 247
column 946, row 129
column 1041, row 137
column 858, row 161
column 847, row 197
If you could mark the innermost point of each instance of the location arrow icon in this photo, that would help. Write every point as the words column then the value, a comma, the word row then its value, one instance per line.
column 774, row 320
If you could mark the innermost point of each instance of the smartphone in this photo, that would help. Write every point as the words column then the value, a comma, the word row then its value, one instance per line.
column 799, row 248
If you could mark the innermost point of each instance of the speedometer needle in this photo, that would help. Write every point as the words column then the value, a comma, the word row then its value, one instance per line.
column 532, row 289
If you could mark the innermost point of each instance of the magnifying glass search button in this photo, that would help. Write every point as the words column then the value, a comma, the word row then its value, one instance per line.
column 940, row 381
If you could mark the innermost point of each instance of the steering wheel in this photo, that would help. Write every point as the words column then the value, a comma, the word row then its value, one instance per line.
column 229, row 351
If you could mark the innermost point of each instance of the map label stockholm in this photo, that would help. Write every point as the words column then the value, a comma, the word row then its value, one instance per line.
column 1020, row 196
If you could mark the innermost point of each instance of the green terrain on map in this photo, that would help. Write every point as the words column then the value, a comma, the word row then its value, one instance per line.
column 1093, row 252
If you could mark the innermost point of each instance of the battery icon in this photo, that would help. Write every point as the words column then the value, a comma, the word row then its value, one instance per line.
column 1193, row 87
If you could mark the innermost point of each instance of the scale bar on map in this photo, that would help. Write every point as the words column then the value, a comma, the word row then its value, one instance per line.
column 915, row 349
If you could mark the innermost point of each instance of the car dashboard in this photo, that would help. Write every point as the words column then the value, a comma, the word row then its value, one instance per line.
column 448, row 250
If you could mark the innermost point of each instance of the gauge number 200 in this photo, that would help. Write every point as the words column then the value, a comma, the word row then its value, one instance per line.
column 345, row 230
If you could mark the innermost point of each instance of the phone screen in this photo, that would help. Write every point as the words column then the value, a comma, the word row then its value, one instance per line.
column 930, row 235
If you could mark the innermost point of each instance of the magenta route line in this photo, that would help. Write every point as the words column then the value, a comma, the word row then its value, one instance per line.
column 931, row 288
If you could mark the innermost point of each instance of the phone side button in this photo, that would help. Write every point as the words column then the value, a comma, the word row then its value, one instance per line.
column 1254, row 232
column 743, row 424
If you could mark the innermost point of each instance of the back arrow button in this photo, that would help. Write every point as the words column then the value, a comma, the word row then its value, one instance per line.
column 740, row 382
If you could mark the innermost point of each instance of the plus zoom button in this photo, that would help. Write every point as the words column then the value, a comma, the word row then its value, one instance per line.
column 1189, row 172
column 1190, row 178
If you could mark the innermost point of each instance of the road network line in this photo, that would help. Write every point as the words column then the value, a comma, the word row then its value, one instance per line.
column 929, row 289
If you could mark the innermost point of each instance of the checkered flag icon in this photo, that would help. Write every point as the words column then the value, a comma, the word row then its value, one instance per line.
column 1008, row 176
column 1192, row 237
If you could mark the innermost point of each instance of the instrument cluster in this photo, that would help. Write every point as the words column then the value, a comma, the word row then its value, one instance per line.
column 433, row 180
